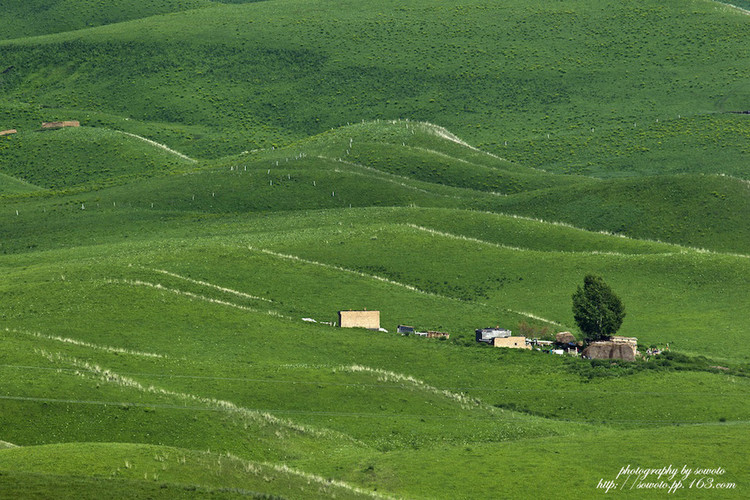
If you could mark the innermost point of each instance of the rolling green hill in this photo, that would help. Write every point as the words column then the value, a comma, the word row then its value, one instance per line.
column 22, row 18
column 704, row 211
column 11, row 185
column 73, row 156
column 155, row 472
column 171, row 271
column 511, row 71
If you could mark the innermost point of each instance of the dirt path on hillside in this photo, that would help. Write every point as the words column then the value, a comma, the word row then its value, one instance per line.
column 158, row 145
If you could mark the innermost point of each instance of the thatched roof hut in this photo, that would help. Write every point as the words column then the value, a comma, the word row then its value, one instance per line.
column 609, row 350
column 565, row 338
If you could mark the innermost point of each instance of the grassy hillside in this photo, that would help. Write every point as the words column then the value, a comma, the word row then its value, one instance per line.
column 372, row 164
column 154, row 472
column 171, row 271
column 209, row 353
column 716, row 142
column 285, row 70
column 73, row 156
column 704, row 211
column 11, row 185
column 34, row 17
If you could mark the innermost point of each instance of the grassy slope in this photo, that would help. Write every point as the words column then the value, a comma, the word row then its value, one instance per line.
column 120, row 470
column 11, row 185
column 701, row 211
column 74, row 156
column 372, row 164
column 716, row 142
column 302, row 178
column 22, row 18
column 284, row 70
column 68, row 352
column 401, row 472
column 519, row 470
column 168, row 311
column 320, row 291
column 65, row 293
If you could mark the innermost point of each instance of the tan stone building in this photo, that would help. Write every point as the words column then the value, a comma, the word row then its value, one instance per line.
column 360, row 319
column 512, row 342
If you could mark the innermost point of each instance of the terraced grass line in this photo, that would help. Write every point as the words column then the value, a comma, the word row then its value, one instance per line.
column 5, row 444
column 159, row 145
column 463, row 238
column 733, row 7
column 362, row 174
column 685, row 248
column 534, row 316
column 351, row 271
column 519, row 249
column 158, row 286
column 106, row 403
column 508, row 416
column 325, row 481
column 117, row 350
column 332, row 413
column 465, row 401
column 392, row 282
column 443, row 133
column 105, row 375
column 384, row 174
column 742, row 181
column 390, row 174
column 217, row 287
column 387, row 377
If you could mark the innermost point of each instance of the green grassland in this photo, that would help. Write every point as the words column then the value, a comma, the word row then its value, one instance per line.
column 145, row 471
column 68, row 157
column 95, row 371
column 170, row 271
column 174, row 317
column 11, row 185
column 22, row 18
column 511, row 71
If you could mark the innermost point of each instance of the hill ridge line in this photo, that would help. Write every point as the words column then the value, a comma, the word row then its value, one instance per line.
column 159, row 145
column 465, row 401
column 351, row 271
column 391, row 282
column 732, row 7
column 207, row 284
column 326, row 481
column 386, row 174
column 616, row 235
column 110, row 376
column 520, row 249
column 82, row 343
column 158, row 286
column 443, row 133
column 390, row 174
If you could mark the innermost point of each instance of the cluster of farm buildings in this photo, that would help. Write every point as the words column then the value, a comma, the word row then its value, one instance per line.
column 617, row 347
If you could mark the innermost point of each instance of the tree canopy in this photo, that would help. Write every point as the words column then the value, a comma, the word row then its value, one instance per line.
column 598, row 311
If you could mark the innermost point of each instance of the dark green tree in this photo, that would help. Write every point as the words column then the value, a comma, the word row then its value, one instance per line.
column 597, row 309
